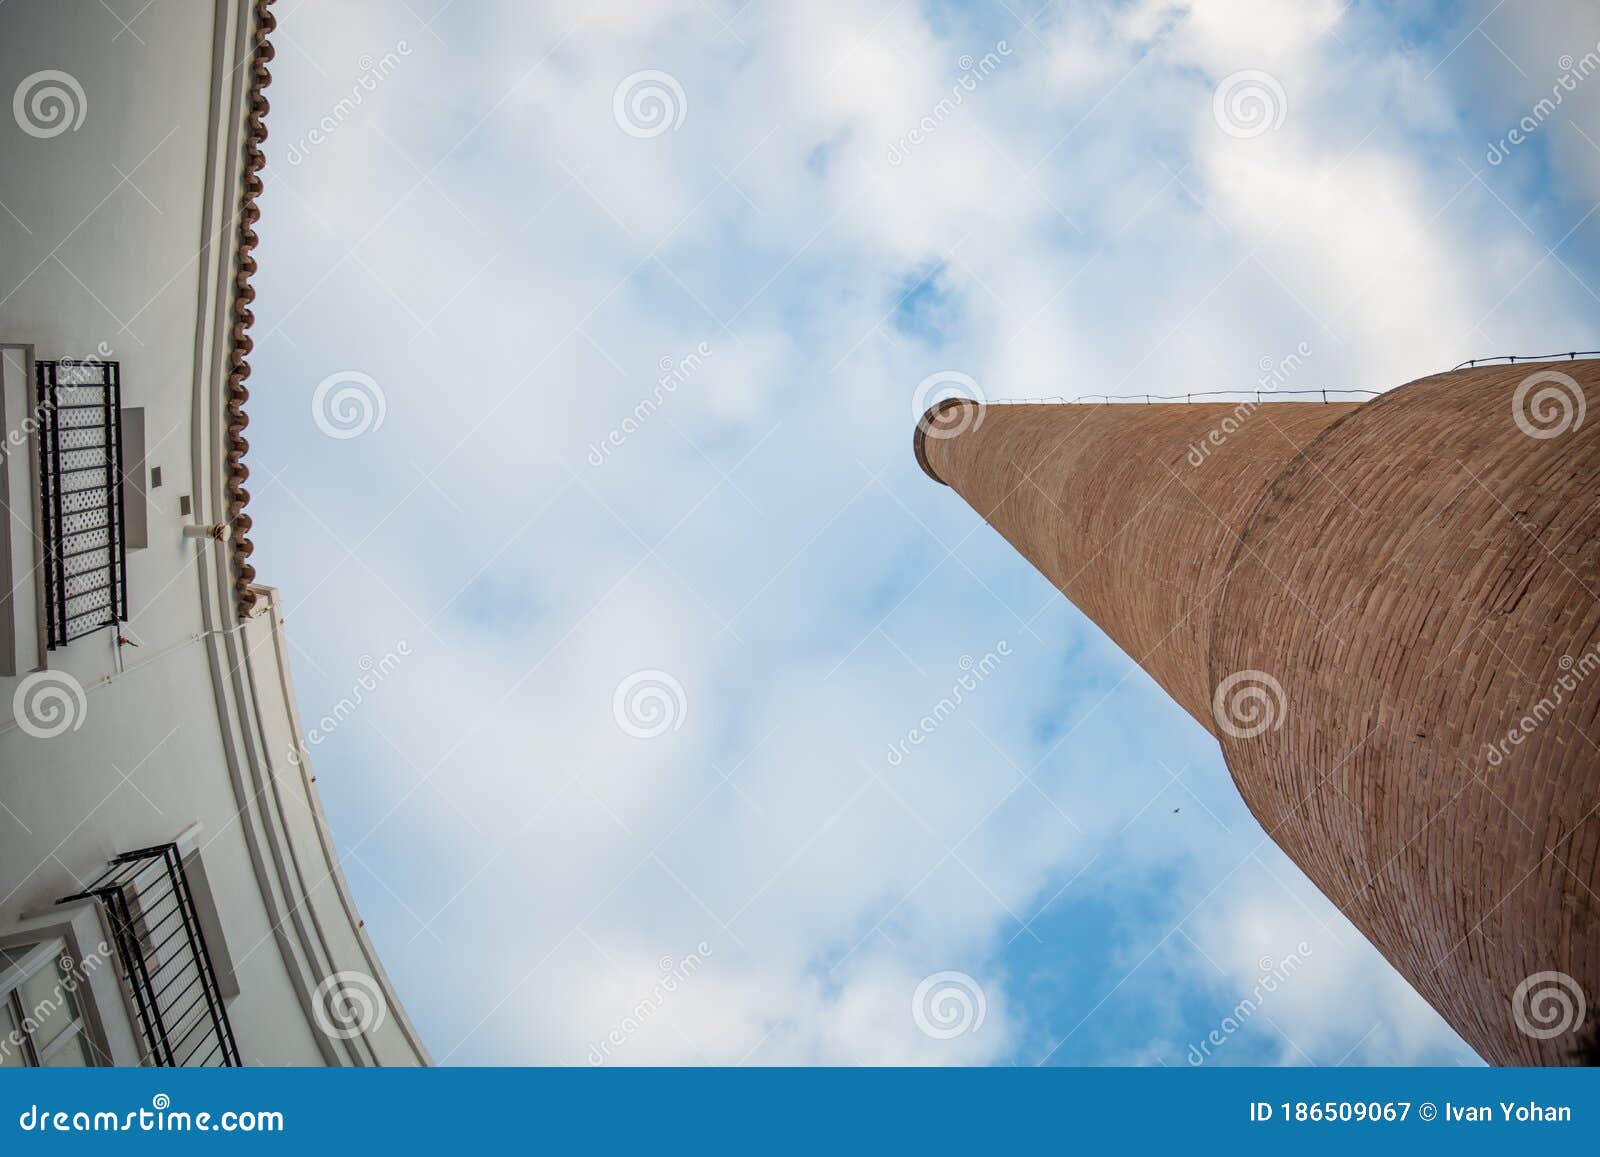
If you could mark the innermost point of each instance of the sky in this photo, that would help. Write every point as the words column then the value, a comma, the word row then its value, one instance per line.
column 590, row 340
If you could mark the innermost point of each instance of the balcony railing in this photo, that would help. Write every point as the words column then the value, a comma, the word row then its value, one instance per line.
column 146, row 897
column 80, row 486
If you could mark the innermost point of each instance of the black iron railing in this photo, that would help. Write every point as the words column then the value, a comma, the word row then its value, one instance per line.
column 146, row 897
column 80, row 485
column 1513, row 359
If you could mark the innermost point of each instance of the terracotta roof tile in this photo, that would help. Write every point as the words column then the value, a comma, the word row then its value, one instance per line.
column 243, row 318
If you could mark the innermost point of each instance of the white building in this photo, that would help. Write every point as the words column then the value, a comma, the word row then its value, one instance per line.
column 146, row 708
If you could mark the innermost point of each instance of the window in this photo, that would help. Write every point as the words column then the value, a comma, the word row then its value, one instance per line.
column 160, row 939
column 81, row 496
column 135, row 490
column 41, row 1021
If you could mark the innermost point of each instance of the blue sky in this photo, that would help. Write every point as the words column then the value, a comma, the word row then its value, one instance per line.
column 480, row 241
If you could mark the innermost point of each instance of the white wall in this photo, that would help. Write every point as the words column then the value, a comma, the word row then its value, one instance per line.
column 103, row 252
column 100, row 242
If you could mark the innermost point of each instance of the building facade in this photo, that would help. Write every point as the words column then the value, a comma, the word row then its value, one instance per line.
column 1389, row 616
column 169, row 892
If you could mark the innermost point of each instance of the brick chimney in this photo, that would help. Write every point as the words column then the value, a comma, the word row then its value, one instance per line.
column 1389, row 616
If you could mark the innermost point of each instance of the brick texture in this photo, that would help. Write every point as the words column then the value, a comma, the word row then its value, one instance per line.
column 1107, row 503
column 1420, row 582
column 1421, row 578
